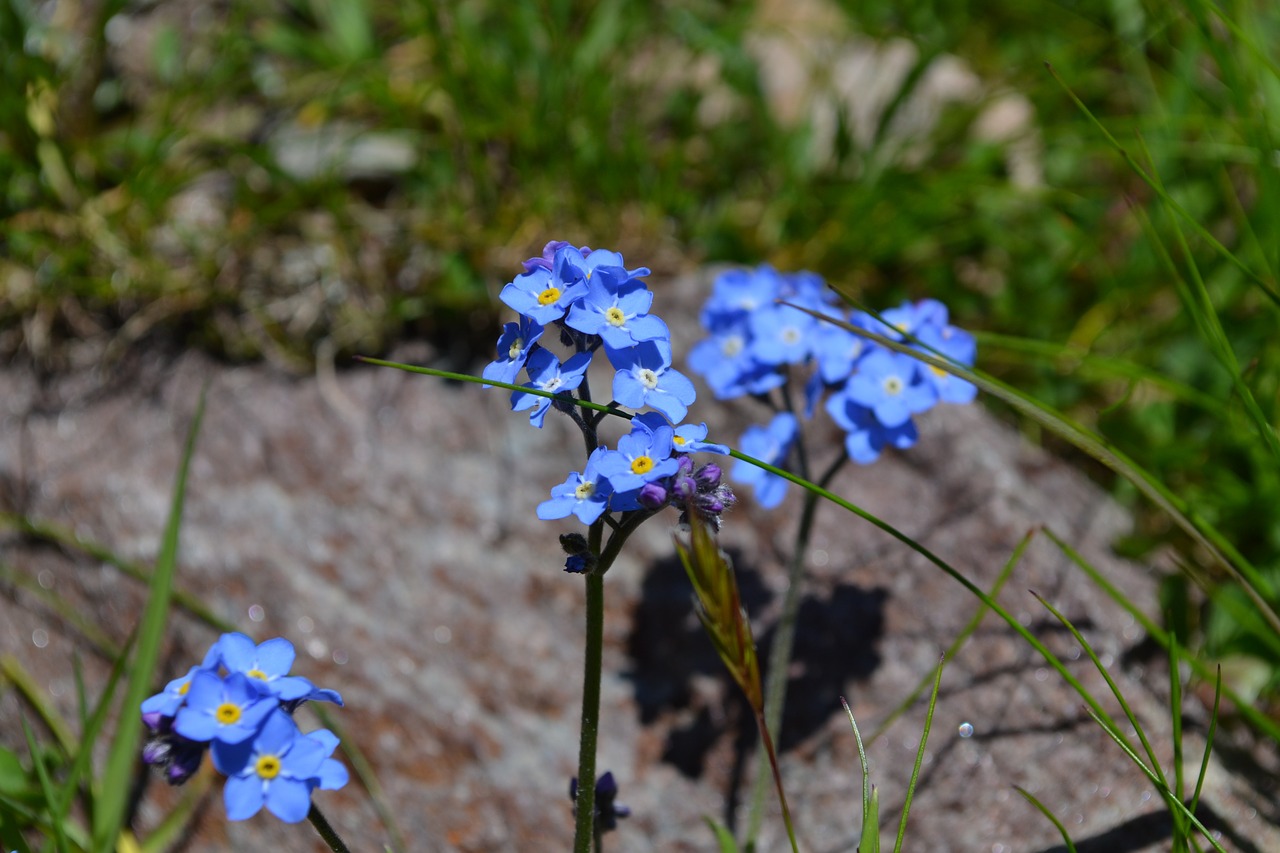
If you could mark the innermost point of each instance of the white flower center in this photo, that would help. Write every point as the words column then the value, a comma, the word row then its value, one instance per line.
column 513, row 352
column 732, row 346
column 791, row 335
column 647, row 378
column 614, row 316
column 893, row 385
column 552, row 384
column 584, row 490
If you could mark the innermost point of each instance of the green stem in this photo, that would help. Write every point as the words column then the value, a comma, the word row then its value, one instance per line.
column 583, row 830
column 780, row 651
column 326, row 831
column 586, row 802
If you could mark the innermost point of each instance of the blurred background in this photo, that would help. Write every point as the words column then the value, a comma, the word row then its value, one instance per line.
column 302, row 180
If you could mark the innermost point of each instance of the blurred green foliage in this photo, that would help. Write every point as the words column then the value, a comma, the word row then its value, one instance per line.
column 302, row 179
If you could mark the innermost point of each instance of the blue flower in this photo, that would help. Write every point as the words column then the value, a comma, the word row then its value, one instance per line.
column 837, row 350
column 616, row 309
column 513, row 349
column 736, row 294
column 167, row 702
column 865, row 436
column 548, row 374
column 572, row 265
column 691, row 438
column 781, row 334
column 725, row 360
column 769, row 444
column 643, row 456
column 584, row 495
column 887, row 383
column 279, row 769
column 540, row 296
column 957, row 345
column 227, row 710
column 645, row 378
column 266, row 665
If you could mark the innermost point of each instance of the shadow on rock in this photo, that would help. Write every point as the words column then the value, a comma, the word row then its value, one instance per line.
column 681, row 685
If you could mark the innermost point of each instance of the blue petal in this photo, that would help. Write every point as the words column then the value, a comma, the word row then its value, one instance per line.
column 242, row 796
column 288, row 799
column 276, row 656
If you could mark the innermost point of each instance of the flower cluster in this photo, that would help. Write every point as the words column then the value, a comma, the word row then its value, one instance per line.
column 755, row 342
column 238, row 704
column 596, row 304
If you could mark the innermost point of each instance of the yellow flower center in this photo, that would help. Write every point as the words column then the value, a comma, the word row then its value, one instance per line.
column 258, row 674
column 227, row 713
column 937, row 371
column 267, row 766
column 678, row 440
column 186, row 685
column 549, row 296
column 641, row 465
column 615, row 316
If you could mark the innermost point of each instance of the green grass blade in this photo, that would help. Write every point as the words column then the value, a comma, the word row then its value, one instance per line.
column 17, row 675
column 1173, row 802
column 1175, row 718
column 974, row 622
column 1044, row 810
column 869, row 837
column 93, row 724
column 109, row 815
column 915, row 770
column 1208, row 740
column 1259, row 720
column 47, row 789
column 724, row 838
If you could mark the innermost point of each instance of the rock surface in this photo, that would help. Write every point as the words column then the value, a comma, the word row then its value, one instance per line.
column 384, row 523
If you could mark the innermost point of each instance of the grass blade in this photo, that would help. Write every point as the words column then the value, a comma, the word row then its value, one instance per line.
column 1044, row 810
column 869, row 837
column 108, row 817
column 915, row 771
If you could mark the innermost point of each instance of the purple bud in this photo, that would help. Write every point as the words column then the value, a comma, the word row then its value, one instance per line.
column 548, row 257
column 153, row 720
column 684, row 466
column 684, row 487
column 652, row 496
column 708, row 475
column 576, row 564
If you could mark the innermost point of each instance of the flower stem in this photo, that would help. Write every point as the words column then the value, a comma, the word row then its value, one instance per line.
column 780, row 655
column 326, row 831
column 586, row 804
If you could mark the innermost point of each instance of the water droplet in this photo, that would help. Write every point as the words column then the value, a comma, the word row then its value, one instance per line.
column 340, row 657
column 256, row 613
column 442, row 634
column 966, row 730
column 40, row 638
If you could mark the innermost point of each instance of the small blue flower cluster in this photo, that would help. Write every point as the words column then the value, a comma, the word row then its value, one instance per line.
column 754, row 341
column 596, row 303
column 238, row 704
